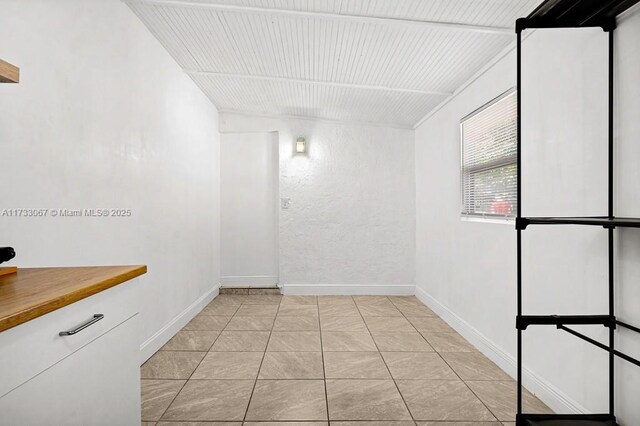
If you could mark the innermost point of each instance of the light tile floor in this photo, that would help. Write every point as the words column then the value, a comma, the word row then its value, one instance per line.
column 267, row 360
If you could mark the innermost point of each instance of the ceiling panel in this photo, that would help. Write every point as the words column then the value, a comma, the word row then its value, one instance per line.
column 304, row 99
column 258, row 56
column 472, row 12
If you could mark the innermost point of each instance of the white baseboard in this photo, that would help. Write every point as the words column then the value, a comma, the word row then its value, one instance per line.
column 548, row 393
column 162, row 336
column 249, row 281
column 348, row 289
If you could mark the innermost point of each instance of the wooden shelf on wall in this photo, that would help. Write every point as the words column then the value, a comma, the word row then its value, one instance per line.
column 9, row 73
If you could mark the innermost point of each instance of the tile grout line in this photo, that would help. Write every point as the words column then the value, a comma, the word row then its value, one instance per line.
column 255, row 383
column 383, row 360
column 317, row 304
column 445, row 361
column 456, row 373
column 324, row 372
column 194, row 370
column 471, row 390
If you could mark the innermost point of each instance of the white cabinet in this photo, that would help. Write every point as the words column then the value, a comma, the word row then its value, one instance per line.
column 96, row 385
column 91, row 378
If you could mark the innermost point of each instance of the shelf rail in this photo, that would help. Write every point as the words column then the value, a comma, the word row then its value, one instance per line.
column 573, row 14
column 611, row 351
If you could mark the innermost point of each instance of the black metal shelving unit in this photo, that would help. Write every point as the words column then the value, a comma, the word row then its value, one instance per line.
column 573, row 14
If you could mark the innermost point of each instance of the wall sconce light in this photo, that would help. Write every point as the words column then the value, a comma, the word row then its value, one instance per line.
column 301, row 146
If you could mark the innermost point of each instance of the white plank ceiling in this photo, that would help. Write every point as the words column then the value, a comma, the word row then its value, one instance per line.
column 370, row 61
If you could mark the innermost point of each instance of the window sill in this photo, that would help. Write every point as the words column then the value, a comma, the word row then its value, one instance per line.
column 503, row 221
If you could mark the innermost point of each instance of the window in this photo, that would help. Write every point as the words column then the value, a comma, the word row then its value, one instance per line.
column 489, row 159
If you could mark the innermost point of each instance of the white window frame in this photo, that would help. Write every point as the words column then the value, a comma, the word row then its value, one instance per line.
column 478, row 217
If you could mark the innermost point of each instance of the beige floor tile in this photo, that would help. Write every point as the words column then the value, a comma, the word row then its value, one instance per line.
column 148, row 423
column 416, row 311
column 371, row 300
column 418, row 365
column 266, row 299
column 257, row 311
column 288, row 400
column 458, row 423
column 241, row 341
column 355, row 365
column 285, row 424
column 229, row 299
column 171, row 365
column 448, row 342
column 347, row 341
column 298, row 310
column 379, row 310
column 385, row 423
column 229, row 365
column 211, row 400
column 221, row 309
column 405, row 300
column 335, row 300
column 442, row 400
column 500, row 397
column 156, row 395
column 292, row 365
column 191, row 341
column 354, row 323
column 474, row 366
column 207, row 323
column 365, row 400
column 199, row 424
column 397, row 324
column 250, row 323
column 299, row 300
column 305, row 323
column 430, row 324
column 342, row 310
column 294, row 341
column 401, row 342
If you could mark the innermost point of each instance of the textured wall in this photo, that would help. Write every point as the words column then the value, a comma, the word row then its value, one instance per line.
column 104, row 118
column 352, row 214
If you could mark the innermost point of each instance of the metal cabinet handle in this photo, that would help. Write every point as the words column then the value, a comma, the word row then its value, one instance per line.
column 95, row 319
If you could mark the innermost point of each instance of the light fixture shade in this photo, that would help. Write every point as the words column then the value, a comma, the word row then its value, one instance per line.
column 301, row 146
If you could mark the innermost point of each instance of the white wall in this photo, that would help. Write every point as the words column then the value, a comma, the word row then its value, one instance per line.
column 104, row 118
column 249, row 209
column 351, row 223
column 467, row 270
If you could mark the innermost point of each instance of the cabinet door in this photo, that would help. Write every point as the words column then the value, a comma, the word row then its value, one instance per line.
column 31, row 348
column 97, row 385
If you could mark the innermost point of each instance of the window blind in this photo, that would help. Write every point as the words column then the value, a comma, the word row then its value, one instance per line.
column 489, row 159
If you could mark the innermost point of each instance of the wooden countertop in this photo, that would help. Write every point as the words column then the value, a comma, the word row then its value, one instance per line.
column 33, row 292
